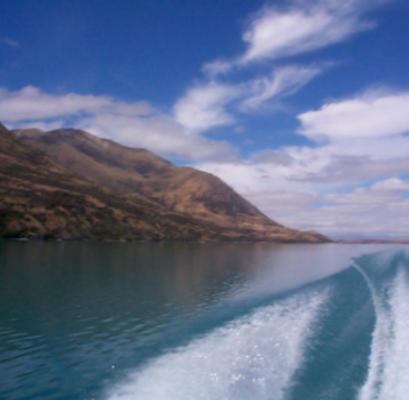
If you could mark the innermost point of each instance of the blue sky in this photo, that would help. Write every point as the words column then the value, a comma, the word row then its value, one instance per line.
column 302, row 108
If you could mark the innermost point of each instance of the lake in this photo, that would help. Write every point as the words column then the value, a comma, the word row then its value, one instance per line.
column 184, row 321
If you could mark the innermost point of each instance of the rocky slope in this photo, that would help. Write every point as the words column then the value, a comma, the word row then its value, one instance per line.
column 70, row 184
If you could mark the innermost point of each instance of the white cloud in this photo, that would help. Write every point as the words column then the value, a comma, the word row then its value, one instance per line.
column 325, row 187
column 316, row 169
column 374, row 210
column 371, row 211
column 370, row 115
column 283, row 81
column 394, row 185
column 346, row 162
column 160, row 134
column 301, row 27
column 203, row 106
column 132, row 123
column 382, row 192
column 276, row 33
column 31, row 103
column 271, row 34
column 216, row 104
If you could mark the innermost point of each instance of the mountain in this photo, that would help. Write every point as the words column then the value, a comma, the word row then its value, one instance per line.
column 70, row 184
column 41, row 199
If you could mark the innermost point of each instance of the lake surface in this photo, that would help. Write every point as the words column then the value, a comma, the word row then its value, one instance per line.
column 172, row 321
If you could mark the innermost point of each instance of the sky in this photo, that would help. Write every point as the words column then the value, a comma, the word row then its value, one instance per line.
column 302, row 107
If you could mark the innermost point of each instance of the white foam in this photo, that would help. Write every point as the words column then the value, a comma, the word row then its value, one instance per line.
column 389, row 359
column 252, row 358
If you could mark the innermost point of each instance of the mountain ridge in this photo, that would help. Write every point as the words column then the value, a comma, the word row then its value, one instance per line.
column 147, row 197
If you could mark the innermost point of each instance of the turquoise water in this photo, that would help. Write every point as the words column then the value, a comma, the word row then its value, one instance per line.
column 203, row 321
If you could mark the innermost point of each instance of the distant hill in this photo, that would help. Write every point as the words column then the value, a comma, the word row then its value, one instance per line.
column 69, row 184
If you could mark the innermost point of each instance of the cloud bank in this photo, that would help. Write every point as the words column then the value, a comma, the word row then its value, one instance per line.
column 328, row 186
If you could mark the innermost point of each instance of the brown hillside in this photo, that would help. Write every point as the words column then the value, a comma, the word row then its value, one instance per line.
column 141, row 195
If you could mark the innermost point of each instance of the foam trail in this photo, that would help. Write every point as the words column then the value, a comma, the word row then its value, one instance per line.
column 382, row 331
column 254, row 357
column 388, row 364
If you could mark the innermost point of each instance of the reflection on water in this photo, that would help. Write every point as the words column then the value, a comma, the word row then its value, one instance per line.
column 77, row 317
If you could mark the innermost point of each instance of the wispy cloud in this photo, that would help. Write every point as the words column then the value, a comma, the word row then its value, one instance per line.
column 215, row 103
column 31, row 103
column 204, row 106
column 280, row 32
column 282, row 82
column 6, row 41
column 271, row 34
column 276, row 33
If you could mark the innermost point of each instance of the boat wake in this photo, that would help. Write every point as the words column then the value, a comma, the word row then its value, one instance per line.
column 254, row 357
column 388, row 280
column 332, row 340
